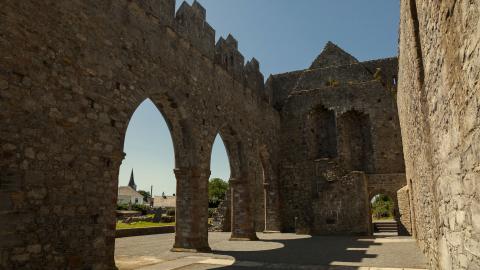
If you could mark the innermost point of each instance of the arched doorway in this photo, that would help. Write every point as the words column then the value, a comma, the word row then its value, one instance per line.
column 219, row 197
column 241, row 217
column 146, row 182
column 383, row 214
column 149, row 152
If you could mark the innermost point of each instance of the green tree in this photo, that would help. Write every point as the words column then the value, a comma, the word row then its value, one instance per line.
column 382, row 207
column 216, row 191
column 146, row 195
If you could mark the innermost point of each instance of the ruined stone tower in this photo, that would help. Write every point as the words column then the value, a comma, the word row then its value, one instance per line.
column 340, row 135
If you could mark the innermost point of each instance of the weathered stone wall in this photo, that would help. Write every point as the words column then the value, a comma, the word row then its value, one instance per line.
column 388, row 184
column 438, row 101
column 340, row 206
column 221, row 218
column 71, row 77
column 315, row 143
column 405, row 224
column 336, row 120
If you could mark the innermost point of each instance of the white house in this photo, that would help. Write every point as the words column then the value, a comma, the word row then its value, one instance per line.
column 127, row 195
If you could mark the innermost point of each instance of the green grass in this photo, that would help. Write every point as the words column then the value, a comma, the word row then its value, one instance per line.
column 142, row 224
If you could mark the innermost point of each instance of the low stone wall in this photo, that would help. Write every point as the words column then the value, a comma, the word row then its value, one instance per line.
column 222, row 216
column 144, row 231
column 123, row 214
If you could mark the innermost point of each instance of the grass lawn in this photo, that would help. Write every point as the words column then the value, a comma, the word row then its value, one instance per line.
column 142, row 224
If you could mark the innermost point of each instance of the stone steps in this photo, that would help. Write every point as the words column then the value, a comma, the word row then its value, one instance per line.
column 385, row 227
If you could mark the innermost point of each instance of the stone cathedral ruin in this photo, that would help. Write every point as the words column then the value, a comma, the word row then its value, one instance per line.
column 308, row 149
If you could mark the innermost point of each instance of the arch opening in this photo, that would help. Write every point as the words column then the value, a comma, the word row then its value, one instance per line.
column 383, row 214
column 146, row 180
column 240, row 203
column 219, row 199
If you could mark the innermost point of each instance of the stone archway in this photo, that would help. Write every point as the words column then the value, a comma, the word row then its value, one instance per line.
column 59, row 171
column 271, row 200
column 242, row 222
column 392, row 196
column 190, row 231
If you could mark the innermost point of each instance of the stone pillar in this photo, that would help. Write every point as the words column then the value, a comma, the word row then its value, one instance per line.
column 405, row 223
column 191, row 217
column 272, row 222
column 411, row 198
column 242, row 221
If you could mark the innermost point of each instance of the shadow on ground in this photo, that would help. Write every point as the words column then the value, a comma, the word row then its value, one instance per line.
column 308, row 251
column 287, row 251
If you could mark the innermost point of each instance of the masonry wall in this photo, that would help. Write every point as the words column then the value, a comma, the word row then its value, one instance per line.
column 405, row 216
column 71, row 77
column 438, row 101
column 340, row 206
column 339, row 125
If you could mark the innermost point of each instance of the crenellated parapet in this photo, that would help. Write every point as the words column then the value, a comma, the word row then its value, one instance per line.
column 254, row 78
column 190, row 23
column 228, row 57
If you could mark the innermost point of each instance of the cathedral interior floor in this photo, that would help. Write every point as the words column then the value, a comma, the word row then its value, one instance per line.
column 273, row 251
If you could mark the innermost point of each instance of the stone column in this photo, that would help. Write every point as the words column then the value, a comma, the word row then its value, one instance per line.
column 242, row 221
column 191, row 217
column 404, row 224
column 272, row 222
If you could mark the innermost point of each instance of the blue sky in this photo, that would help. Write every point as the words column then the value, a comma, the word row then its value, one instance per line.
column 284, row 35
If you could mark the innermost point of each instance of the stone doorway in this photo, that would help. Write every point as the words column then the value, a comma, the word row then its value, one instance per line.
column 146, row 170
column 383, row 215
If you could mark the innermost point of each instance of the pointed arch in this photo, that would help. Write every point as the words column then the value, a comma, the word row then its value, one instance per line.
column 146, row 121
column 178, row 123
column 219, row 151
column 233, row 147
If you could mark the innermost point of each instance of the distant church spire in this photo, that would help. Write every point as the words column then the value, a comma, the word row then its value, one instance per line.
column 132, row 182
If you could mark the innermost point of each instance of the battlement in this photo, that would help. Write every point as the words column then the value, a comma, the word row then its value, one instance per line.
column 254, row 78
column 228, row 57
column 252, row 65
column 232, row 42
column 189, row 22
column 200, row 10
